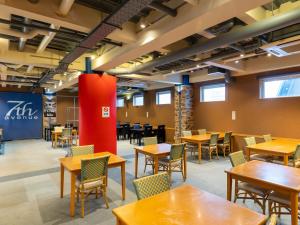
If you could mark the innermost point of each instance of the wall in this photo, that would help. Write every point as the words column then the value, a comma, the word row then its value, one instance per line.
column 63, row 102
column 279, row 117
column 158, row 114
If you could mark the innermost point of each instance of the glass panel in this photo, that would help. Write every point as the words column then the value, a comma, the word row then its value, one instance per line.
column 138, row 100
column 120, row 102
column 212, row 93
column 163, row 97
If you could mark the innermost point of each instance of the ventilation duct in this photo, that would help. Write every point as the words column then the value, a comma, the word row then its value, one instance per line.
column 234, row 36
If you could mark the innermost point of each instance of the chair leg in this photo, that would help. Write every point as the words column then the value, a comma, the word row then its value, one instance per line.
column 77, row 195
column 105, row 197
column 217, row 153
column 82, row 204
column 224, row 151
column 209, row 150
column 96, row 193
column 145, row 164
column 182, row 172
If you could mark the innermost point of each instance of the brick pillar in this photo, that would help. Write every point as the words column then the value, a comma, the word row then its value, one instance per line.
column 183, row 110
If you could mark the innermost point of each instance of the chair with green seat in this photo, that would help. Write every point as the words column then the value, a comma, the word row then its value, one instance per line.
column 202, row 131
column 190, row 146
column 66, row 137
column 212, row 145
column 148, row 159
column 174, row 162
column 267, row 137
column 82, row 150
column 242, row 189
column 151, row 185
column 225, row 145
column 92, row 179
column 260, row 157
column 272, row 220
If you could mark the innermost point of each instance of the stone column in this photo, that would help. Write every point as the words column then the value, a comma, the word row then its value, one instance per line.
column 183, row 100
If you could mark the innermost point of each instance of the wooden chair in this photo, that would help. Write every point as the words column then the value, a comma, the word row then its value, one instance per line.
column 212, row 145
column 66, row 137
column 267, row 137
column 226, row 144
column 92, row 179
column 193, row 148
column 261, row 157
column 82, row 150
column 173, row 163
column 151, row 185
column 272, row 220
column 242, row 189
column 148, row 159
column 202, row 131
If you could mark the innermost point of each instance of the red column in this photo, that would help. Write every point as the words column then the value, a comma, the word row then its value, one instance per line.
column 97, row 127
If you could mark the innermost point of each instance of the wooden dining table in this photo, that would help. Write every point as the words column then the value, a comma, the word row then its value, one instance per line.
column 271, row 176
column 277, row 147
column 199, row 140
column 73, row 165
column 156, row 151
column 56, row 134
column 186, row 205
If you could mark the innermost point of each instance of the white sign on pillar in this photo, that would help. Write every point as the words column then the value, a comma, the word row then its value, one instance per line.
column 105, row 111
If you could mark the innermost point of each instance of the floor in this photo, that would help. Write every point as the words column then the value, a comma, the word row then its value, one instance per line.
column 29, row 185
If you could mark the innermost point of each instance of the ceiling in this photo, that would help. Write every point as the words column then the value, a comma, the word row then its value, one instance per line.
column 36, row 37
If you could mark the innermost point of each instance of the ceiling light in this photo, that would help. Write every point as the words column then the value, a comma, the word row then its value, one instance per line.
column 198, row 65
column 192, row 71
column 173, row 71
column 242, row 55
column 55, row 86
column 60, row 83
column 65, row 73
column 269, row 54
column 142, row 25
column 236, row 61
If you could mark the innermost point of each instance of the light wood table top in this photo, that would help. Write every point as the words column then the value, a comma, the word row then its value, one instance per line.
column 157, row 149
column 186, row 205
column 74, row 163
column 201, row 138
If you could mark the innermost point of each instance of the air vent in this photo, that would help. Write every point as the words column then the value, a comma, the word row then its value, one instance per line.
column 215, row 71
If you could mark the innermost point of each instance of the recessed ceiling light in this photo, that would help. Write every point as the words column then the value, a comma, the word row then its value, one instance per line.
column 198, row 65
column 173, row 71
column 269, row 54
column 242, row 55
column 236, row 61
column 192, row 71
column 142, row 25
column 60, row 83
column 55, row 86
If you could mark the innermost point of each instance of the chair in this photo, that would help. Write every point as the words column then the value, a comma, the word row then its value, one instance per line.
column 151, row 185
column 173, row 163
column 161, row 134
column 190, row 146
column 92, row 178
column 267, row 137
column 252, row 141
column 202, row 131
column 148, row 159
column 272, row 220
column 82, row 150
column 242, row 189
column 212, row 146
column 148, row 131
column 226, row 144
column 66, row 137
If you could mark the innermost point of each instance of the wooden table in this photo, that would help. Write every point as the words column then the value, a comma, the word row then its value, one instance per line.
column 278, row 147
column 271, row 176
column 186, row 205
column 56, row 134
column 73, row 165
column 199, row 139
column 155, row 151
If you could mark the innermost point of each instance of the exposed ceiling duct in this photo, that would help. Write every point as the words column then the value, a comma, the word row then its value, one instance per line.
column 165, row 9
column 107, row 26
column 65, row 7
column 234, row 36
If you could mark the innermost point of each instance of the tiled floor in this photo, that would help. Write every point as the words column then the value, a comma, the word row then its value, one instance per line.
column 29, row 185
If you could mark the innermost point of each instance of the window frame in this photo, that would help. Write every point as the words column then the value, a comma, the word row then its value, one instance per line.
column 163, row 92
column 204, row 86
column 262, row 80
column 133, row 100
column 123, row 105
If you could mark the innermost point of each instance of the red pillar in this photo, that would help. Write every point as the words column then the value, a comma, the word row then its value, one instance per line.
column 95, row 127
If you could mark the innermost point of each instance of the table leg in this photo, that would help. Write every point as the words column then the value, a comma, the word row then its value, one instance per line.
column 55, row 140
column 62, row 177
column 229, row 187
column 155, row 164
column 184, row 164
column 248, row 153
column 286, row 160
column 123, row 175
column 294, row 208
column 199, row 152
column 136, row 162
column 72, row 195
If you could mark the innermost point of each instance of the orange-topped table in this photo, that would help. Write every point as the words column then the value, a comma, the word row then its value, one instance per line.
column 271, row 176
column 73, row 165
column 186, row 205
column 278, row 147
column 199, row 139
column 155, row 151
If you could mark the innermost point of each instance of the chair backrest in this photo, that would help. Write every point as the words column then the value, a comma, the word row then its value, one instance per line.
column 267, row 137
column 146, row 124
column 82, row 150
column 161, row 127
column 202, row 131
column 272, row 220
column 177, row 151
column 92, row 169
column 58, row 129
column 150, row 140
column 151, row 185
column 250, row 141
column 297, row 156
column 227, row 137
column 237, row 158
column 148, row 131
column 186, row 133
column 66, row 132
column 214, row 139
column 136, row 126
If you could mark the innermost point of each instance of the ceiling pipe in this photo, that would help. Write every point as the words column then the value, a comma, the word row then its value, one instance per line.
column 65, row 7
column 31, row 34
column 234, row 36
column 163, row 8
column 22, row 41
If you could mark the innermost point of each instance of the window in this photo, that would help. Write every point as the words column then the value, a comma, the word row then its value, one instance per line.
column 280, row 87
column 212, row 93
column 138, row 100
column 120, row 102
column 163, row 97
